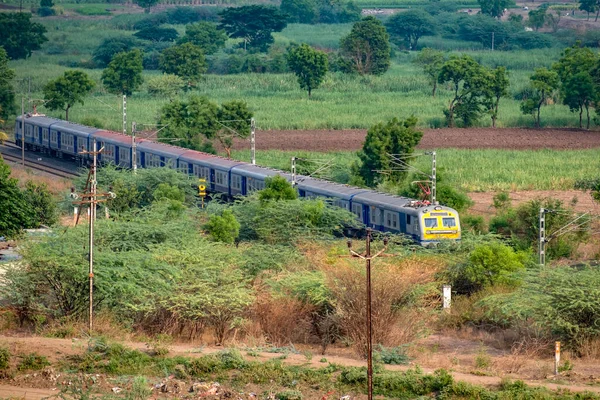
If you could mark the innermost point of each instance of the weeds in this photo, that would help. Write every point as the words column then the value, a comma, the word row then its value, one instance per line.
column 33, row 362
column 392, row 355
column 4, row 359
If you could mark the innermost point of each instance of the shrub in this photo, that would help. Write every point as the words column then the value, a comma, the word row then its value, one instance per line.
column 109, row 47
column 392, row 355
column 289, row 395
column 46, row 11
column 277, row 188
column 93, row 122
column 487, row 265
column 39, row 198
column 4, row 359
column 157, row 34
column 223, row 228
column 33, row 362
column 472, row 223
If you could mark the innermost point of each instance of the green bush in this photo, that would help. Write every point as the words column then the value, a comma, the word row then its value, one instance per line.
column 487, row 265
column 392, row 355
column 93, row 122
column 33, row 362
column 223, row 228
column 277, row 188
column 4, row 359
column 289, row 395
column 472, row 223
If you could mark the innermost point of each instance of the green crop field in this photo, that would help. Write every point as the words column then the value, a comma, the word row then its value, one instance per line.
column 470, row 170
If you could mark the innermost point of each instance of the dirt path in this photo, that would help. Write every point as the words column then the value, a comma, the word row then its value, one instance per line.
column 56, row 349
column 476, row 138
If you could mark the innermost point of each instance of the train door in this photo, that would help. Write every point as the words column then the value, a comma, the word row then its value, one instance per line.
column 301, row 193
column 402, row 217
column 40, row 135
column 212, row 180
column 117, row 155
column 366, row 216
column 75, row 144
column 244, row 188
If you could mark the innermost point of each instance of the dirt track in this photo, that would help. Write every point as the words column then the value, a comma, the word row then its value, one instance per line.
column 477, row 138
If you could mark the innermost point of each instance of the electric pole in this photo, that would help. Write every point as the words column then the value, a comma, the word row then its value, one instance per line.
column 493, row 39
column 91, row 198
column 367, row 256
column 124, row 114
column 133, row 148
column 433, row 178
column 253, row 141
column 293, row 171
column 542, row 237
column 23, row 131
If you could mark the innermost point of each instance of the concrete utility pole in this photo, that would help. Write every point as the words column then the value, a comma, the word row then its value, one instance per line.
column 133, row 148
column 433, row 178
column 253, row 141
column 23, row 131
column 493, row 39
column 542, row 237
column 124, row 114
column 293, row 171
column 91, row 198
column 368, row 257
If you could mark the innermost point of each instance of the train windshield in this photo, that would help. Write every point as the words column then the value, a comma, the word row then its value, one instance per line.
column 449, row 222
column 431, row 222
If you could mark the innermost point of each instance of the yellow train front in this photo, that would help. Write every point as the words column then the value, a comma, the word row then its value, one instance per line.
column 438, row 223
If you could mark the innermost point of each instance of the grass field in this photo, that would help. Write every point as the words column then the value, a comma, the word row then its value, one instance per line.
column 471, row 170
column 342, row 101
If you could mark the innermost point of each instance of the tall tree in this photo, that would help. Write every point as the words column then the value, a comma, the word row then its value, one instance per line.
column 309, row 65
column 105, row 52
column 16, row 211
column 299, row 11
column 589, row 6
column 431, row 62
column 146, row 4
column 19, row 36
column 573, row 60
column 7, row 92
column 537, row 18
column 185, row 60
column 579, row 93
column 205, row 35
column 63, row 92
column 497, row 88
column 543, row 83
column 124, row 73
column 367, row 47
column 553, row 20
column 189, row 121
column 234, row 122
column 254, row 24
column 494, row 8
column 384, row 139
column 410, row 26
column 470, row 81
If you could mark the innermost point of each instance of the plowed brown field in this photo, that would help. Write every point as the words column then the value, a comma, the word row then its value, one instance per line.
column 478, row 138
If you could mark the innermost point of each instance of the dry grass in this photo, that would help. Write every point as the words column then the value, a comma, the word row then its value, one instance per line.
column 57, row 186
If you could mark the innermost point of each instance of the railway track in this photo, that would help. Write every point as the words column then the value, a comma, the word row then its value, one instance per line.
column 8, row 153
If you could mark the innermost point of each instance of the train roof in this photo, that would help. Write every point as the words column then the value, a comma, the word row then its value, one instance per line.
column 200, row 158
column 113, row 138
column 75, row 129
column 328, row 188
column 161, row 149
column 254, row 171
column 40, row 120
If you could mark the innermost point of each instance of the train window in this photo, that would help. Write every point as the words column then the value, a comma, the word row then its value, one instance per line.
column 357, row 209
column 169, row 162
column 53, row 137
column 448, row 222
column 45, row 134
column 123, row 154
column 408, row 220
column 221, row 178
column 183, row 167
column 373, row 216
column 431, row 222
column 236, row 182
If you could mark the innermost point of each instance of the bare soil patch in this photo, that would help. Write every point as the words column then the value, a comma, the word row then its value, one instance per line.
column 476, row 138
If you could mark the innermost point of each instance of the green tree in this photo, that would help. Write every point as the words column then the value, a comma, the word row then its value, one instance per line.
column 537, row 18
column 190, row 121
column 19, row 36
column 497, row 88
column 410, row 26
column 277, row 188
column 223, row 228
column 254, row 24
column 574, row 60
column 431, row 62
column 494, row 8
column 309, row 65
column 7, row 92
column 553, row 20
column 157, row 34
column 67, row 90
column 185, row 60
column 16, row 211
column 165, row 85
column 396, row 137
column 470, row 81
column 165, row 191
column 367, row 47
column 579, row 93
column 590, row 6
column 124, row 73
column 543, row 83
column 299, row 11
column 43, row 206
column 205, row 35
column 146, row 4
column 233, row 120
column 106, row 51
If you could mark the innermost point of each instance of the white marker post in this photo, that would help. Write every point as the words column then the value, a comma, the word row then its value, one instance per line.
column 447, row 297
column 556, row 357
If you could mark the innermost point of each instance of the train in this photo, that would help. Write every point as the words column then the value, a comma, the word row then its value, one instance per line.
column 423, row 222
